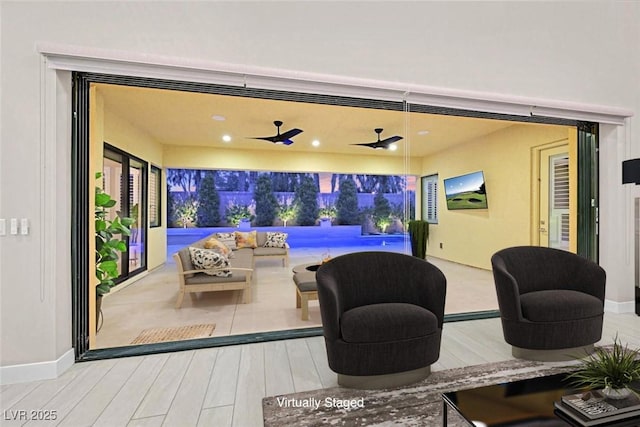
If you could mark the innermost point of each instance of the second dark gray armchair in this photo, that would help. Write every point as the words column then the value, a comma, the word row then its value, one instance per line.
column 382, row 313
column 549, row 299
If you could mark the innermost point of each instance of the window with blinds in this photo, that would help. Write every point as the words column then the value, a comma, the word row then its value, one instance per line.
column 560, row 196
column 430, row 198
column 561, row 183
column 133, row 180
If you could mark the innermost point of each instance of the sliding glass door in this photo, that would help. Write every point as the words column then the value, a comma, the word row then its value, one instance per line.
column 418, row 153
column 125, row 180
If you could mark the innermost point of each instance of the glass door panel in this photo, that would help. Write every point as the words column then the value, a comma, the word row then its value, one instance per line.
column 112, row 185
column 137, row 238
column 129, row 191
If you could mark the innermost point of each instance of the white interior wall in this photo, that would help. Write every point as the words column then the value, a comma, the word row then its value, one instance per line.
column 616, row 238
column 574, row 52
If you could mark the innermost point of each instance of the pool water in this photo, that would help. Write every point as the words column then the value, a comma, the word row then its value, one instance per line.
column 345, row 242
column 302, row 237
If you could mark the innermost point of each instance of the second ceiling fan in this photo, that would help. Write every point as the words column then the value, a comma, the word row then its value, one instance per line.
column 383, row 144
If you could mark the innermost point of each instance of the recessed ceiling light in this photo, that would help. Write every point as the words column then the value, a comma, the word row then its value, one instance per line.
column 226, row 138
column 423, row 132
column 315, row 143
column 393, row 147
column 218, row 117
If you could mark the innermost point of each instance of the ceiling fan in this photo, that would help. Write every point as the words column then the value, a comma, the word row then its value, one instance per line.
column 283, row 139
column 381, row 144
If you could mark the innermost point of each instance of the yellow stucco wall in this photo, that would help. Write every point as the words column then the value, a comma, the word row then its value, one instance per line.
column 471, row 236
column 120, row 133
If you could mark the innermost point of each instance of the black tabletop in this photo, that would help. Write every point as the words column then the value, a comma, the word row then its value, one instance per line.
column 521, row 403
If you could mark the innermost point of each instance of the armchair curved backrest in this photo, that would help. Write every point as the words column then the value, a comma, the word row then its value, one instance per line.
column 535, row 268
column 550, row 300
column 365, row 278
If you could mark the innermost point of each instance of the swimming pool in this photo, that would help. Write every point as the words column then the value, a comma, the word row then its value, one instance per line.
column 301, row 237
column 345, row 242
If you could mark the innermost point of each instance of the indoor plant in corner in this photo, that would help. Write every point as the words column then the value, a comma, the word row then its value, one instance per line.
column 612, row 370
column 419, row 236
column 110, row 241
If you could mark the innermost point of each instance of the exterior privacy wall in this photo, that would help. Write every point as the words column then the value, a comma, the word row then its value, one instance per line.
column 585, row 53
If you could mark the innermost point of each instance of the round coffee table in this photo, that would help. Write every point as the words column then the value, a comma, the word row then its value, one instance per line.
column 306, row 268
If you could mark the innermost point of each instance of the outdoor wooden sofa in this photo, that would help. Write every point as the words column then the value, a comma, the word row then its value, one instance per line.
column 242, row 267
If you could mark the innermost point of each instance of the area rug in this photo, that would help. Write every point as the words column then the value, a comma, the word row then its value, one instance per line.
column 416, row 405
column 154, row 335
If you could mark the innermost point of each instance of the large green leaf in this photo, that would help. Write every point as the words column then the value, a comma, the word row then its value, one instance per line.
column 128, row 222
column 101, row 225
column 110, row 267
column 108, row 255
column 122, row 247
column 102, row 199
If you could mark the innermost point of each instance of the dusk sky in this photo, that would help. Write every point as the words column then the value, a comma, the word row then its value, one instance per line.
column 325, row 183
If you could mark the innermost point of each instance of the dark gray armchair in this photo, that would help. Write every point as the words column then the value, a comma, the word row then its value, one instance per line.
column 550, row 300
column 382, row 316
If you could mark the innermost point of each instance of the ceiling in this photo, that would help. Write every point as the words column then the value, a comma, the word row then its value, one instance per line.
column 187, row 119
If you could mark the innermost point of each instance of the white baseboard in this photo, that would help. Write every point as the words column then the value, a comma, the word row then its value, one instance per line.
column 37, row 371
column 620, row 307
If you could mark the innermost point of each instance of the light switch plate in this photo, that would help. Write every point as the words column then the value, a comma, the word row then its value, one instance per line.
column 24, row 226
column 14, row 226
column 3, row 227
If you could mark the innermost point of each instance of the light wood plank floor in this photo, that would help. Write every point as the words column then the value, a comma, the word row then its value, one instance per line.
column 224, row 386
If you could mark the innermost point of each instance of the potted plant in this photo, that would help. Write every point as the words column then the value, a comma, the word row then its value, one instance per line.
column 237, row 214
column 419, row 235
column 327, row 215
column 612, row 370
column 110, row 241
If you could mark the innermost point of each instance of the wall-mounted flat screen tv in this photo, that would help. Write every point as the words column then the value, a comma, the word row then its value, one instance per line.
column 466, row 191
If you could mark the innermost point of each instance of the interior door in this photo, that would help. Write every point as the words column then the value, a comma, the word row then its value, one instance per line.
column 554, row 203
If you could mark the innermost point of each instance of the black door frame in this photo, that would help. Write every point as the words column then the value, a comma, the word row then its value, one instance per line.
column 588, row 193
column 587, row 171
column 126, row 162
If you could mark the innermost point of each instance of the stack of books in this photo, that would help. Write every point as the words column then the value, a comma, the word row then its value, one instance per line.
column 593, row 408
